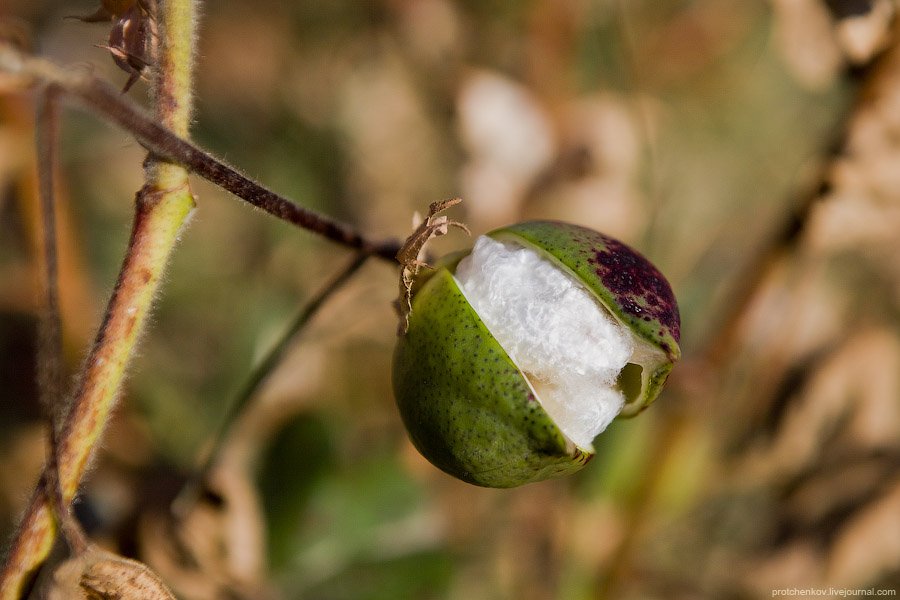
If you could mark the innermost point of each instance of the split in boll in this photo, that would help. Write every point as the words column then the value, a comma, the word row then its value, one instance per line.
column 568, row 346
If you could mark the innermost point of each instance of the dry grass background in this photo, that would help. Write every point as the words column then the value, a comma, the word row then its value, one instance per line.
column 749, row 149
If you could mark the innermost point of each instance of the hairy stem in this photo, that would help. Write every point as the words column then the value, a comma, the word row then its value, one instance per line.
column 50, row 376
column 103, row 99
column 162, row 207
column 159, row 218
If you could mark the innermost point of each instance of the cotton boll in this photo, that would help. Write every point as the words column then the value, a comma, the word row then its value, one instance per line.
column 507, row 414
column 570, row 348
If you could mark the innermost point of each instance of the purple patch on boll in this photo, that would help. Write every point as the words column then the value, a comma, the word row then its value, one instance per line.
column 640, row 288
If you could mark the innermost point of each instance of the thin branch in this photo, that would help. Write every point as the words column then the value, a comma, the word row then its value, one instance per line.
column 101, row 98
column 260, row 374
column 50, row 376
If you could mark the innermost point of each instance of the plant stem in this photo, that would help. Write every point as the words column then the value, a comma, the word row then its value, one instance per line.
column 50, row 376
column 162, row 206
column 159, row 218
column 103, row 99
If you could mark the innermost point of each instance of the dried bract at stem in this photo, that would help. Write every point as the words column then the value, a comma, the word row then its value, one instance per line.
column 130, row 38
column 410, row 255
column 130, row 43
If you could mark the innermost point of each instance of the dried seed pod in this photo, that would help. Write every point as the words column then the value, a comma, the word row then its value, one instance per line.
column 131, row 36
column 517, row 355
column 100, row 575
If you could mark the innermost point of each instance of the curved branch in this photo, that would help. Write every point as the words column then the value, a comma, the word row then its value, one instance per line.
column 101, row 98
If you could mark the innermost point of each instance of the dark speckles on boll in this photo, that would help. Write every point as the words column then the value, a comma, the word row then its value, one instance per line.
column 641, row 289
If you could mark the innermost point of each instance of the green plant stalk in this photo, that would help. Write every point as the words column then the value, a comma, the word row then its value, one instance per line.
column 163, row 205
column 155, row 232
column 173, row 93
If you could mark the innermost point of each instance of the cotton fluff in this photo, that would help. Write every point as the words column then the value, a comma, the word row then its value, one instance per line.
column 554, row 330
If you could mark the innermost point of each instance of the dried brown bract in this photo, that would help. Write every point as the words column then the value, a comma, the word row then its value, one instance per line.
column 129, row 42
column 131, row 36
column 410, row 255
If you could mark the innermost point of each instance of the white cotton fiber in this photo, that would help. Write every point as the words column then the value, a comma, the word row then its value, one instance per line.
column 557, row 333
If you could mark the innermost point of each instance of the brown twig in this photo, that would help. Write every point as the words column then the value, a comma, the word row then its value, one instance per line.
column 101, row 98
column 258, row 376
column 50, row 377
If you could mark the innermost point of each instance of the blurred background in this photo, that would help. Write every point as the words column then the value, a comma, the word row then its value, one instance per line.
column 751, row 150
